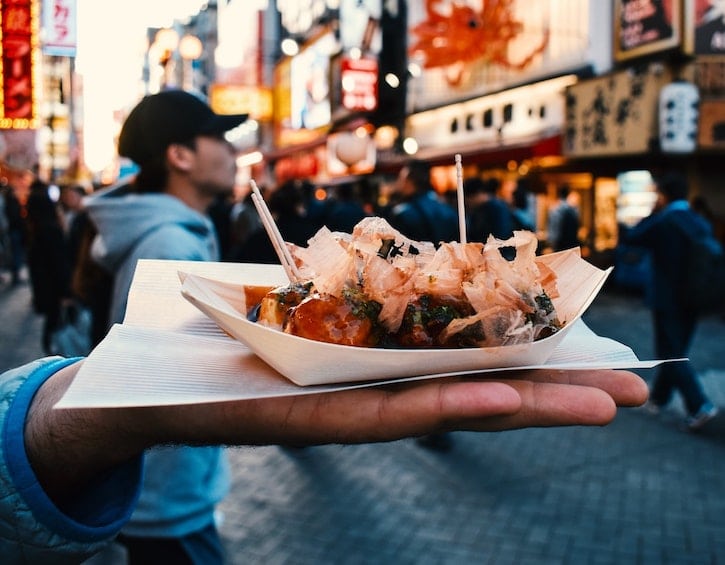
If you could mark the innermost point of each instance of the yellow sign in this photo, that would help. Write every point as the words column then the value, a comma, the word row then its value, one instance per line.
column 240, row 99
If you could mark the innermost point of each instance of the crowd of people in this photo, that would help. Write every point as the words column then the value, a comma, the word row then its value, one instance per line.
column 46, row 230
column 84, row 248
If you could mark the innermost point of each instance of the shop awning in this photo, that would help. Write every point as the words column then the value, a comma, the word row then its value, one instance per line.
column 481, row 154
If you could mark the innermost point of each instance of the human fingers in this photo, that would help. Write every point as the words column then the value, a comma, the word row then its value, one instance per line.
column 355, row 416
column 520, row 399
column 624, row 387
column 547, row 404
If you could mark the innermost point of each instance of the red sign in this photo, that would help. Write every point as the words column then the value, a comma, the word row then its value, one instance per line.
column 359, row 79
column 18, row 21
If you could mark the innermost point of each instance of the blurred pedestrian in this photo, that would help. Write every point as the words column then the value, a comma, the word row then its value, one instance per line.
column 185, row 165
column 75, row 219
column 91, row 284
column 314, row 202
column 344, row 211
column 564, row 222
column 419, row 214
column 286, row 204
column 48, row 261
column 488, row 213
column 220, row 213
column 523, row 219
column 244, row 222
column 17, row 229
column 674, row 322
column 5, row 253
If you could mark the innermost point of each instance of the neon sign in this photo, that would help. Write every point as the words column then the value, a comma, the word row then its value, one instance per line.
column 18, row 41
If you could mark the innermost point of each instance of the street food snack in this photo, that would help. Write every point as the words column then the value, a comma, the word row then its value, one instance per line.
column 377, row 288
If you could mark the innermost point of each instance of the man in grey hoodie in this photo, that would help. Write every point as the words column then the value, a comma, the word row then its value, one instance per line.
column 185, row 163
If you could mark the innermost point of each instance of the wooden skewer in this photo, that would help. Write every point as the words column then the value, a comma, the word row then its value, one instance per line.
column 460, row 198
column 283, row 252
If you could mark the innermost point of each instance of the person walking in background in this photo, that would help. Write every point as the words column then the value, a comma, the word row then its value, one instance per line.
column 344, row 211
column 523, row 219
column 75, row 219
column 185, row 165
column 489, row 214
column 286, row 204
column 674, row 322
column 244, row 222
column 564, row 222
column 220, row 213
column 419, row 213
column 48, row 260
column 17, row 229
column 5, row 253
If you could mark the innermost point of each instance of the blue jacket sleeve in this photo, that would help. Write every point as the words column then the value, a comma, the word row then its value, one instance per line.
column 32, row 528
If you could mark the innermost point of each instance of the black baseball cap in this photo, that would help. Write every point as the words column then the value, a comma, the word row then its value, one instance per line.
column 171, row 116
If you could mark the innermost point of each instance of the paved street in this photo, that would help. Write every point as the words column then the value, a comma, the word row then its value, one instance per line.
column 639, row 491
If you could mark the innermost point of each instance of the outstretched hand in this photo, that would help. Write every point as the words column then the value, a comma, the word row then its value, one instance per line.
column 501, row 401
column 68, row 447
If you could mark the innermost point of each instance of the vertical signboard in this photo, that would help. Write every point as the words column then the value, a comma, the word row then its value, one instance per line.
column 643, row 27
column 19, row 28
column 359, row 84
column 310, row 84
column 614, row 114
column 708, row 30
column 59, row 27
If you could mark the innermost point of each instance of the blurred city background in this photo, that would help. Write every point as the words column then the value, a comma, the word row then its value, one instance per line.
column 598, row 96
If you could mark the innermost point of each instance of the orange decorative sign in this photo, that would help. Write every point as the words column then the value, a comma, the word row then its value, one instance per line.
column 462, row 34
column 18, row 25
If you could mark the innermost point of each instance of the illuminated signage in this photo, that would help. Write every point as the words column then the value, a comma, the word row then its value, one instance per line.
column 508, row 117
column 299, row 17
column 646, row 26
column 310, row 85
column 240, row 99
column 359, row 80
column 360, row 25
column 493, row 49
column 18, row 25
column 59, row 27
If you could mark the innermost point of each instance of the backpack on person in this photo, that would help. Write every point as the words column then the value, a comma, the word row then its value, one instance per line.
column 92, row 284
column 705, row 271
column 568, row 229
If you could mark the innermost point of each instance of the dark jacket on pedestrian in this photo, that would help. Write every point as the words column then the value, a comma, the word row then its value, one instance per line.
column 344, row 211
column 425, row 218
column 668, row 247
column 490, row 217
column 286, row 206
column 48, row 260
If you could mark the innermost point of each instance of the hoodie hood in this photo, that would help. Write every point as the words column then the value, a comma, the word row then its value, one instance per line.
column 123, row 218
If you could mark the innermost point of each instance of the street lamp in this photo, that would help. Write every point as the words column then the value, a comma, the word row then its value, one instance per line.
column 165, row 43
column 190, row 49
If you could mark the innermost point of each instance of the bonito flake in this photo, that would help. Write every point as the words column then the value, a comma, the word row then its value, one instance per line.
column 414, row 294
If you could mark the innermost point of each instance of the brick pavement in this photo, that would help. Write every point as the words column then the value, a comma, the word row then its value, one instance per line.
column 639, row 491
